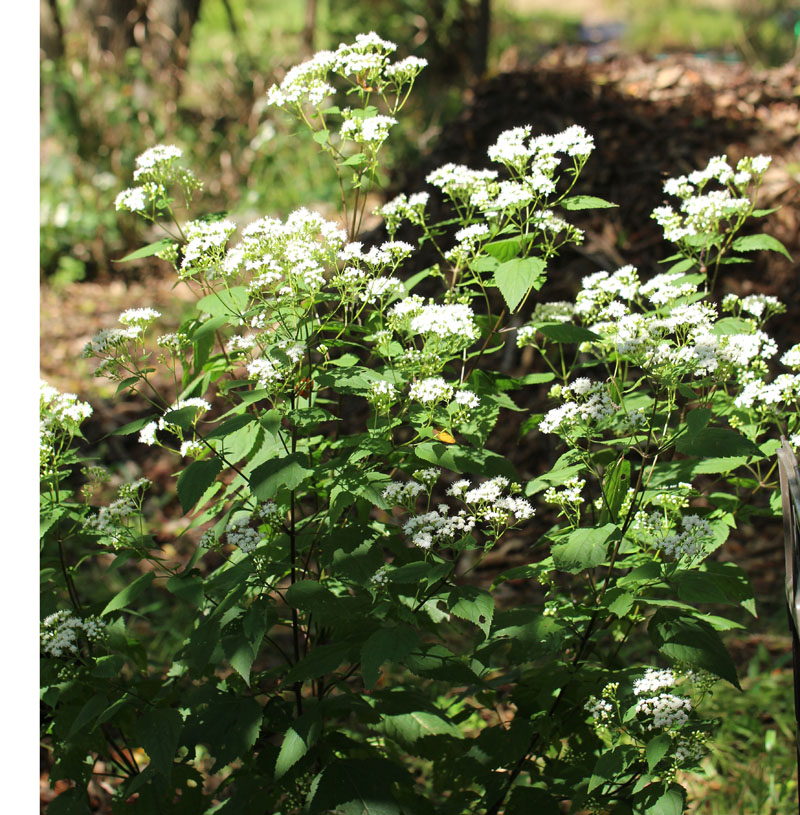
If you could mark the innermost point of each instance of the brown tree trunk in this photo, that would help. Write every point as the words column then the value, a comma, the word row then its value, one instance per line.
column 169, row 31
column 51, row 32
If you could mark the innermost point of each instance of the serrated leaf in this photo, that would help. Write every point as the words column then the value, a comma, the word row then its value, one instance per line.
column 586, row 202
column 687, row 639
column 583, row 549
column 133, row 426
column 129, row 593
column 358, row 787
column 516, row 277
column 323, row 659
column 289, row 472
column 147, row 251
column 195, row 480
column 298, row 740
column 669, row 803
column 408, row 728
column 88, row 713
column 566, row 332
column 656, row 749
column 501, row 251
column 227, row 725
column 321, row 136
column 755, row 243
column 158, row 731
column 390, row 644
column 462, row 459
column 716, row 442
column 472, row 604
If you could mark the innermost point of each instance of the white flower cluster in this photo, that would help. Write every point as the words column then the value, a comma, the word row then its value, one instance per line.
column 157, row 157
column 468, row 242
column 461, row 184
column 568, row 495
column 431, row 390
column 133, row 199
column 139, row 317
column 287, row 258
column 403, row 493
column 60, row 631
column 760, row 306
column 654, row 680
column 692, row 541
column 147, row 435
column 205, row 247
column 791, row 359
column 61, row 411
column 239, row 533
column 113, row 521
column 108, row 338
column 371, row 132
column 445, row 327
column 702, row 212
column 764, row 396
column 173, row 342
column 365, row 63
column 485, row 504
column 593, row 405
column 155, row 168
column 601, row 710
column 667, row 710
column 403, row 208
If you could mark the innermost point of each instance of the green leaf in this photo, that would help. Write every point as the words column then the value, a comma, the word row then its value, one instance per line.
column 670, row 803
column 716, row 442
column 656, row 749
column 73, row 801
column 566, row 332
column 472, row 604
column 323, row 659
column 289, row 472
column 611, row 765
column 88, row 713
column 321, row 136
column 586, row 202
column 502, row 250
column 158, row 731
column 147, row 251
column 390, row 644
column 227, row 725
column 195, row 480
column 298, row 740
column 408, row 728
column 358, row 787
column 754, row 243
column 715, row 583
column 527, row 800
column 516, row 277
column 132, row 427
column 583, row 549
column 616, row 481
column 462, row 459
column 692, row 641
column 129, row 593
column 731, row 325
column 224, row 303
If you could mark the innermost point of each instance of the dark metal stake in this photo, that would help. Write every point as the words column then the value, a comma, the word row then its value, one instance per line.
column 790, row 497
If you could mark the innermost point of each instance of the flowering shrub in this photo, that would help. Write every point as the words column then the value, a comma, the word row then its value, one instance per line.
column 334, row 427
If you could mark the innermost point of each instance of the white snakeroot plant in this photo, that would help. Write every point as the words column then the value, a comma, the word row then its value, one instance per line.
column 331, row 587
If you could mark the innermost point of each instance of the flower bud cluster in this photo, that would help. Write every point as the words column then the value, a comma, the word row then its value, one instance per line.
column 60, row 632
